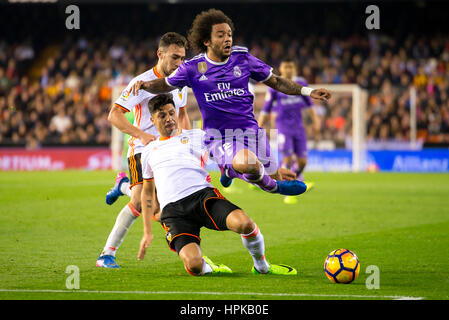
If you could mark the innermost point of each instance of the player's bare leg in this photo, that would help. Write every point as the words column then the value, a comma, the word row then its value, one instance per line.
column 287, row 162
column 192, row 258
column 254, row 242
column 197, row 265
column 301, row 163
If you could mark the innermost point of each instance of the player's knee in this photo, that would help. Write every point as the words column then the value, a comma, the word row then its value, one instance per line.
column 239, row 222
column 247, row 226
column 246, row 162
column 193, row 264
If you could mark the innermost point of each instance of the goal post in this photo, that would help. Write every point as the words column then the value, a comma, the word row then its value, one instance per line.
column 358, row 112
column 359, row 101
column 357, row 117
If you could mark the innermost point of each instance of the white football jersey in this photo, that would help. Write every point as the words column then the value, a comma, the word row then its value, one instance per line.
column 139, row 104
column 177, row 165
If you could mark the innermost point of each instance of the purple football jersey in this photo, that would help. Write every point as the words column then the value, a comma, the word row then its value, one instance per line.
column 221, row 88
column 288, row 108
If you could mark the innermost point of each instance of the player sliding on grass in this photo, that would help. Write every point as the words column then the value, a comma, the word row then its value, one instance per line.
column 171, row 52
column 219, row 78
column 175, row 164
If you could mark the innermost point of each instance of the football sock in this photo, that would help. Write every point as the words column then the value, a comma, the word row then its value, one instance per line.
column 124, row 188
column 206, row 268
column 255, row 244
column 124, row 221
column 262, row 180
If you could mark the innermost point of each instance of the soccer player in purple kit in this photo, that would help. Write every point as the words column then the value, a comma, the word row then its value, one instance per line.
column 219, row 78
column 286, row 113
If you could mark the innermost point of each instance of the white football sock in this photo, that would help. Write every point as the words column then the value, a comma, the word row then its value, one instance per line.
column 124, row 221
column 206, row 268
column 255, row 244
column 124, row 188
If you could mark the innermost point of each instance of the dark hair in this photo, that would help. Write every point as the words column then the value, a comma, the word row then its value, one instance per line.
column 172, row 38
column 202, row 27
column 156, row 103
column 289, row 60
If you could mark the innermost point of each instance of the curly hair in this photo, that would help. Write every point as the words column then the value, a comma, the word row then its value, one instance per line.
column 202, row 27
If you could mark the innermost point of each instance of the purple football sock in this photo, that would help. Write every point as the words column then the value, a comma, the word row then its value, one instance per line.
column 262, row 180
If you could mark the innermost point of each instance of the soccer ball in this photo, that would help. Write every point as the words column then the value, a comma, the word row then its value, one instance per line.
column 342, row 266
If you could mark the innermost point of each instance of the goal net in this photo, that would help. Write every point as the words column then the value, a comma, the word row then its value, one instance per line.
column 343, row 126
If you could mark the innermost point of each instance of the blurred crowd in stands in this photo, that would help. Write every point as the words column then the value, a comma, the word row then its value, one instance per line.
column 67, row 103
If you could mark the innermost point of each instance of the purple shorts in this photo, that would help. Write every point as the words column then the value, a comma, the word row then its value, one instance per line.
column 222, row 150
column 290, row 144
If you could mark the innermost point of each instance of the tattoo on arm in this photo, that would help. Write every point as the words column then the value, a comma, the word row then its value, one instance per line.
column 284, row 85
column 148, row 203
column 158, row 86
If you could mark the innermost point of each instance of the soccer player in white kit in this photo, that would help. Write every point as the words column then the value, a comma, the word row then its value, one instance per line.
column 171, row 53
column 174, row 164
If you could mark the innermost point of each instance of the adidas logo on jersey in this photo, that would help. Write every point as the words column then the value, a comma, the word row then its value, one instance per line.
column 203, row 77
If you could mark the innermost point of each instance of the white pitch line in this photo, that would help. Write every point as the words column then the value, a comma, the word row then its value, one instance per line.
column 216, row 293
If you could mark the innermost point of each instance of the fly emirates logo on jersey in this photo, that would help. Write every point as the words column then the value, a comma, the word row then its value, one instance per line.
column 225, row 92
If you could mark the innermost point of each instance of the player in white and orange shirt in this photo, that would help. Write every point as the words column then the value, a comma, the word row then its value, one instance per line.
column 171, row 53
column 174, row 164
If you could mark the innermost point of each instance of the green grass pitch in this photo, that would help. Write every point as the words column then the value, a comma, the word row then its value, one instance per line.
column 397, row 222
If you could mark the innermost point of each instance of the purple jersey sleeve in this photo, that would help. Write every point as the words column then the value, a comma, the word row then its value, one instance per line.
column 180, row 77
column 270, row 99
column 258, row 69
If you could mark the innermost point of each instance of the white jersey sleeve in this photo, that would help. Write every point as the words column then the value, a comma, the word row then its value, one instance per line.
column 183, row 97
column 147, row 172
column 127, row 100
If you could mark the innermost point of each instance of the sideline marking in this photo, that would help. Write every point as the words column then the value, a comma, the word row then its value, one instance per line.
column 215, row 293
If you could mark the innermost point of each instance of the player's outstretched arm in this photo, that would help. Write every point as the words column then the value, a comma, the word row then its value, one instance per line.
column 118, row 119
column 155, row 86
column 184, row 120
column 292, row 88
column 148, row 207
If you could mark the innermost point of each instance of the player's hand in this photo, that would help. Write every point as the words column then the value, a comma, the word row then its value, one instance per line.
column 321, row 94
column 146, row 138
column 157, row 216
column 137, row 86
column 144, row 244
column 286, row 174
